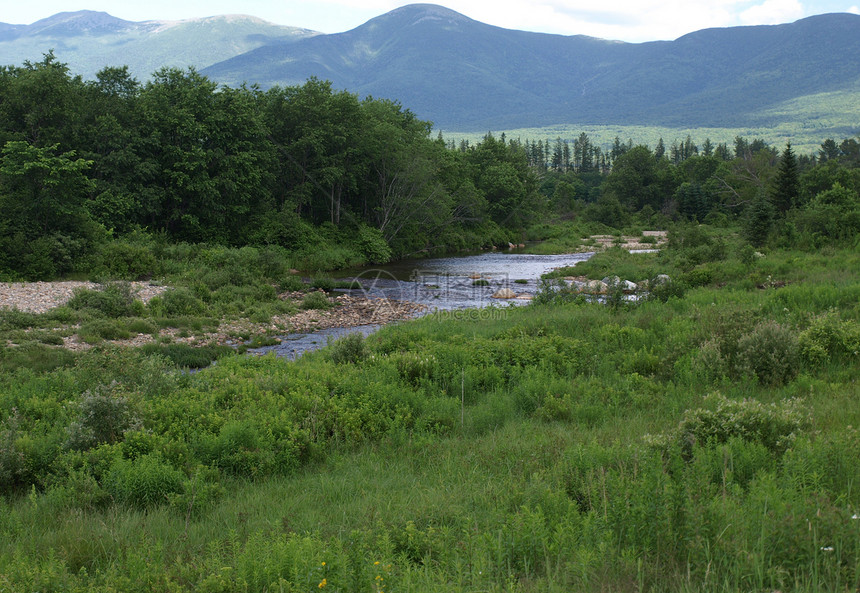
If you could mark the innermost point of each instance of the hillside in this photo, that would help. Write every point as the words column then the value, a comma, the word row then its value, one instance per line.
column 463, row 74
column 89, row 40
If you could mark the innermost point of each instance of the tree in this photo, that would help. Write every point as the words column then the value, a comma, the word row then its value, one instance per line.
column 46, row 228
column 786, row 183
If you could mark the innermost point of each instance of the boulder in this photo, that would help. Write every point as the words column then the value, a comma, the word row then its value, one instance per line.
column 505, row 293
column 628, row 287
column 595, row 287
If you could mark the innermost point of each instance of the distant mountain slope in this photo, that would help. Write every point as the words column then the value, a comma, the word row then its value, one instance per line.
column 463, row 74
column 469, row 76
column 89, row 41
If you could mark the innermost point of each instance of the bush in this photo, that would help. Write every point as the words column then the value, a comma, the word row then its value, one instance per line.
column 774, row 426
column 348, row 349
column 769, row 352
column 179, row 302
column 96, row 330
column 372, row 245
column 316, row 300
column 144, row 482
column 104, row 417
column 829, row 336
column 128, row 261
column 114, row 300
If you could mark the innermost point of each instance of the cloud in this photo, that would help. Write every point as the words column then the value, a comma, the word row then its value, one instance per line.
column 773, row 12
column 854, row 10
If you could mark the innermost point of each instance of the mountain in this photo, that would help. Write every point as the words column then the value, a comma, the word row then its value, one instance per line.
column 463, row 74
column 88, row 41
column 469, row 76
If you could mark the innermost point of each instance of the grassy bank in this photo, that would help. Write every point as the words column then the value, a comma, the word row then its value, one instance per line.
column 701, row 441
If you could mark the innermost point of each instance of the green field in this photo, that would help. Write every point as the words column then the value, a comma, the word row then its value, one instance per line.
column 701, row 440
column 804, row 122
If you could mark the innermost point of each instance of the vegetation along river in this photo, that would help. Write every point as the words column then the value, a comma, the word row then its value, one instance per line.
column 447, row 285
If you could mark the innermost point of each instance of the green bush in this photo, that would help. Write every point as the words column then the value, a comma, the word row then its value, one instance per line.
column 96, row 330
column 292, row 283
column 104, row 417
column 316, row 300
column 372, row 245
column 769, row 352
column 144, row 482
column 114, row 300
column 349, row 349
column 129, row 261
column 774, row 426
column 179, row 302
column 829, row 336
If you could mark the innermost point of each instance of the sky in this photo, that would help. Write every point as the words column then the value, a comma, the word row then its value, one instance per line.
column 625, row 20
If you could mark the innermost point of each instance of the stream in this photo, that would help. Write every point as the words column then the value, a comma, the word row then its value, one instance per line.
column 445, row 284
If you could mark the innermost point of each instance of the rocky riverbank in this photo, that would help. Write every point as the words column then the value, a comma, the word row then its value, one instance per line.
column 344, row 311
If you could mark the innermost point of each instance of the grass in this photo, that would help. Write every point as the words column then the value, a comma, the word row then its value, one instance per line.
column 557, row 447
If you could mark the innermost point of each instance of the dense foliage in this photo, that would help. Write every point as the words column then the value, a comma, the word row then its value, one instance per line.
column 306, row 168
column 337, row 180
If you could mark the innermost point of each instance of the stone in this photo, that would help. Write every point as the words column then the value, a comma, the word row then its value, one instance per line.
column 505, row 293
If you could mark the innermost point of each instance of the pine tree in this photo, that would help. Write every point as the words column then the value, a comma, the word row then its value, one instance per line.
column 787, row 183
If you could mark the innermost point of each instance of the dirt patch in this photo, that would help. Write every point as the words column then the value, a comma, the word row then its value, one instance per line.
column 40, row 297
column 630, row 242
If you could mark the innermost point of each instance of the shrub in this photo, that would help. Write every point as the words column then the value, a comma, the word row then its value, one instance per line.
column 829, row 336
column 102, row 329
column 349, row 349
column 315, row 300
column 13, row 463
column 144, row 482
column 104, row 417
column 179, row 302
column 114, row 300
column 128, row 261
column 372, row 245
column 769, row 352
column 292, row 283
column 775, row 426
column 323, row 283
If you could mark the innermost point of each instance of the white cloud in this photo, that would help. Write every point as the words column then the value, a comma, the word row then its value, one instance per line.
column 854, row 10
column 773, row 12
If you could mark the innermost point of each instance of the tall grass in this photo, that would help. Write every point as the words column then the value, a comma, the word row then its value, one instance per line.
column 558, row 447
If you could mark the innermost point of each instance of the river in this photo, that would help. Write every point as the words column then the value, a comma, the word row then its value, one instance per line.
column 441, row 284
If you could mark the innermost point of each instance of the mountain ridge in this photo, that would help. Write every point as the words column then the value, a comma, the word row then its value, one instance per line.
column 466, row 75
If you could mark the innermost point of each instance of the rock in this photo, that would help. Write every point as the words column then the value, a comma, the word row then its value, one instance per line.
column 628, row 287
column 596, row 287
column 475, row 276
column 505, row 293
column 643, row 286
column 525, row 296
column 611, row 280
column 662, row 279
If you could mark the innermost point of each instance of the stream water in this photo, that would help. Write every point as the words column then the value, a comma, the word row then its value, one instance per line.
column 446, row 284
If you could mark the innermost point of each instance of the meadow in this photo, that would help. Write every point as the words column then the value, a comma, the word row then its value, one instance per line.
column 702, row 439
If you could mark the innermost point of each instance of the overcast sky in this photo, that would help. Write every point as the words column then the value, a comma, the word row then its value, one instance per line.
column 626, row 20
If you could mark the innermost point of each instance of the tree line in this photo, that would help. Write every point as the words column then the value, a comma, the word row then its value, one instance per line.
column 190, row 161
column 302, row 167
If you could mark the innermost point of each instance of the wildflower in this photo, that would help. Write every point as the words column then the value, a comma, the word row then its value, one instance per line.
column 826, row 548
column 323, row 582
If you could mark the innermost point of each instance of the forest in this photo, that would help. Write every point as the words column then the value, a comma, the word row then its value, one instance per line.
column 335, row 180
column 702, row 437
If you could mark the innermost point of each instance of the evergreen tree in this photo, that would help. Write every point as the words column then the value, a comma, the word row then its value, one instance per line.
column 787, row 183
column 660, row 150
